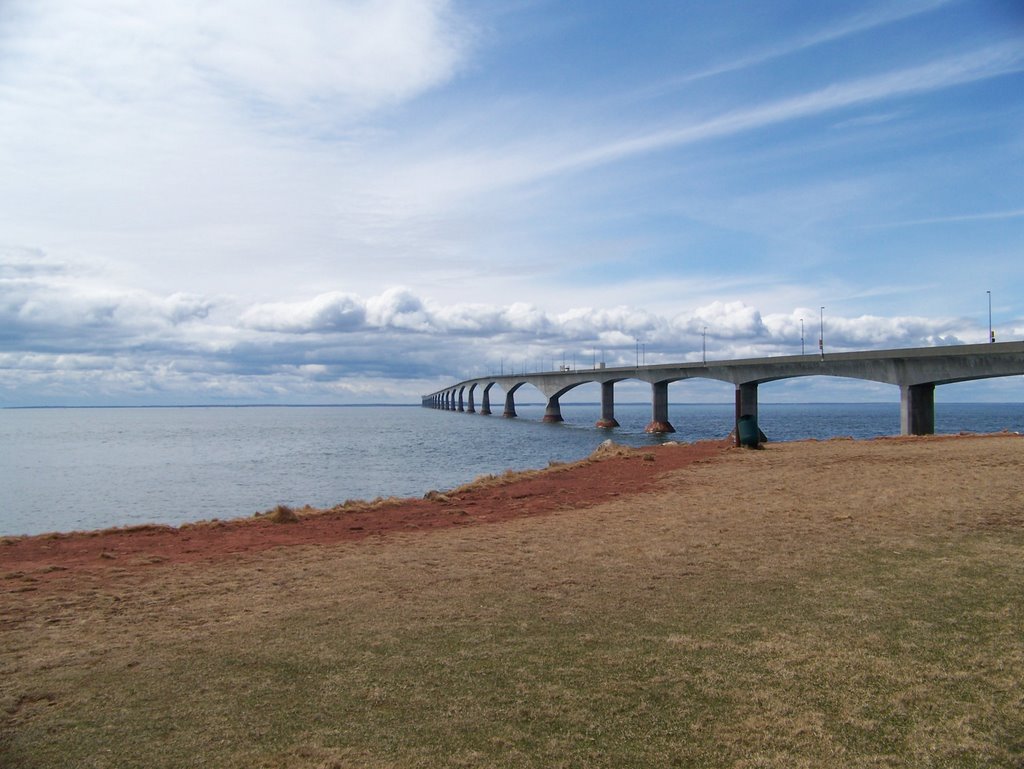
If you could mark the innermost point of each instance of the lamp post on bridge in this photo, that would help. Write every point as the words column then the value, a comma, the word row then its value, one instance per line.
column 801, row 336
column 991, row 333
column 704, row 346
column 641, row 349
column 821, row 331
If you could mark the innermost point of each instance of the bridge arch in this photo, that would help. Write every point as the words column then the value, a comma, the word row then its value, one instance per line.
column 553, row 409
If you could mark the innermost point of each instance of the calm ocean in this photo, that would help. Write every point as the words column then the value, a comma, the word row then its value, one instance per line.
column 65, row 469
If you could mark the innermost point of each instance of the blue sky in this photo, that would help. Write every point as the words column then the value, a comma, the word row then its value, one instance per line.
column 330, row 201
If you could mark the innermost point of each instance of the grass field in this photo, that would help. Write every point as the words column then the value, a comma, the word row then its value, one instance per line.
column 855, row 604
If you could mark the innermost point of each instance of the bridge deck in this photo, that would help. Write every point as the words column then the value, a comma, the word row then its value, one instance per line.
column 916, row 371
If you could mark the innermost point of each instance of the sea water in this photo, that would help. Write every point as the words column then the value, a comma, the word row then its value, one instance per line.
column 68, row 469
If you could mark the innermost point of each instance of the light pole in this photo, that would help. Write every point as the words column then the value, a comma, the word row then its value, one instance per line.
column 704, row 346
column 991, row 333
column 801, row 336
column 821, row 331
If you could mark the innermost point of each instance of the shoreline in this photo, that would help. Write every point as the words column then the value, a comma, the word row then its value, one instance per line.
column 506, row 477
column 618, row 471
column 613, row 472
column 97, row 472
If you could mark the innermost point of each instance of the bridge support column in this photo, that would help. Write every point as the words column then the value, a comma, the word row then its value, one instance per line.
column 607, row 405
column 917, row 409
column 510, row 405
column 485, row 408
column 659, row 409
column 746, row 406
column 553, row 411
column 470, row 407
column 748, row 399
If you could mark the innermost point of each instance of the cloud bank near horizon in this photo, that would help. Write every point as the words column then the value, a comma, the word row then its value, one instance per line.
column 67, row 338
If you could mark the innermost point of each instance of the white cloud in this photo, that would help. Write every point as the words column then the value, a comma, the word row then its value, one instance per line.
column 521, row 316
column 727, row 320
column 398, row 308
column 365, row 54
column 581, row 322
column 182, row 142
column 326, row 313
column 352, row 55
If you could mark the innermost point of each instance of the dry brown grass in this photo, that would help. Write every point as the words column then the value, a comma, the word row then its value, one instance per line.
column 282, row 514
column 817, row 604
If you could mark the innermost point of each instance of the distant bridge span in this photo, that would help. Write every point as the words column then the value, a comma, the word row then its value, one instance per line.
column 916, row 371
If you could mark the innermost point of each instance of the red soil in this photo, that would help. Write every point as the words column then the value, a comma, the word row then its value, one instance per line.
column 58, row 558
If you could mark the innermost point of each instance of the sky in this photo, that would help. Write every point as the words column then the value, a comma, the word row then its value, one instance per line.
column 362, row 201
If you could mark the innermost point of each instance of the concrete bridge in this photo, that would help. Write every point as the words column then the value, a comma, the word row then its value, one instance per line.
column 916, row 371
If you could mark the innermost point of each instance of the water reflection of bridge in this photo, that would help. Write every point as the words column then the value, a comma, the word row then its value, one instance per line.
column 916, row 371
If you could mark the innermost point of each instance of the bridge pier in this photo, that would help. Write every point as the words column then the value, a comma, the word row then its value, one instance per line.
column 607, row 405
column 553, row 411
column 659, row 410
column 461, row 407
column 747, row 399
column 485, row 407
column 917, row 409
column 470, row 406
column 746, row 405
column 510, row 405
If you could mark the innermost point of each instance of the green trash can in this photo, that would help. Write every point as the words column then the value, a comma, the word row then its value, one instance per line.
column 749, row 434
